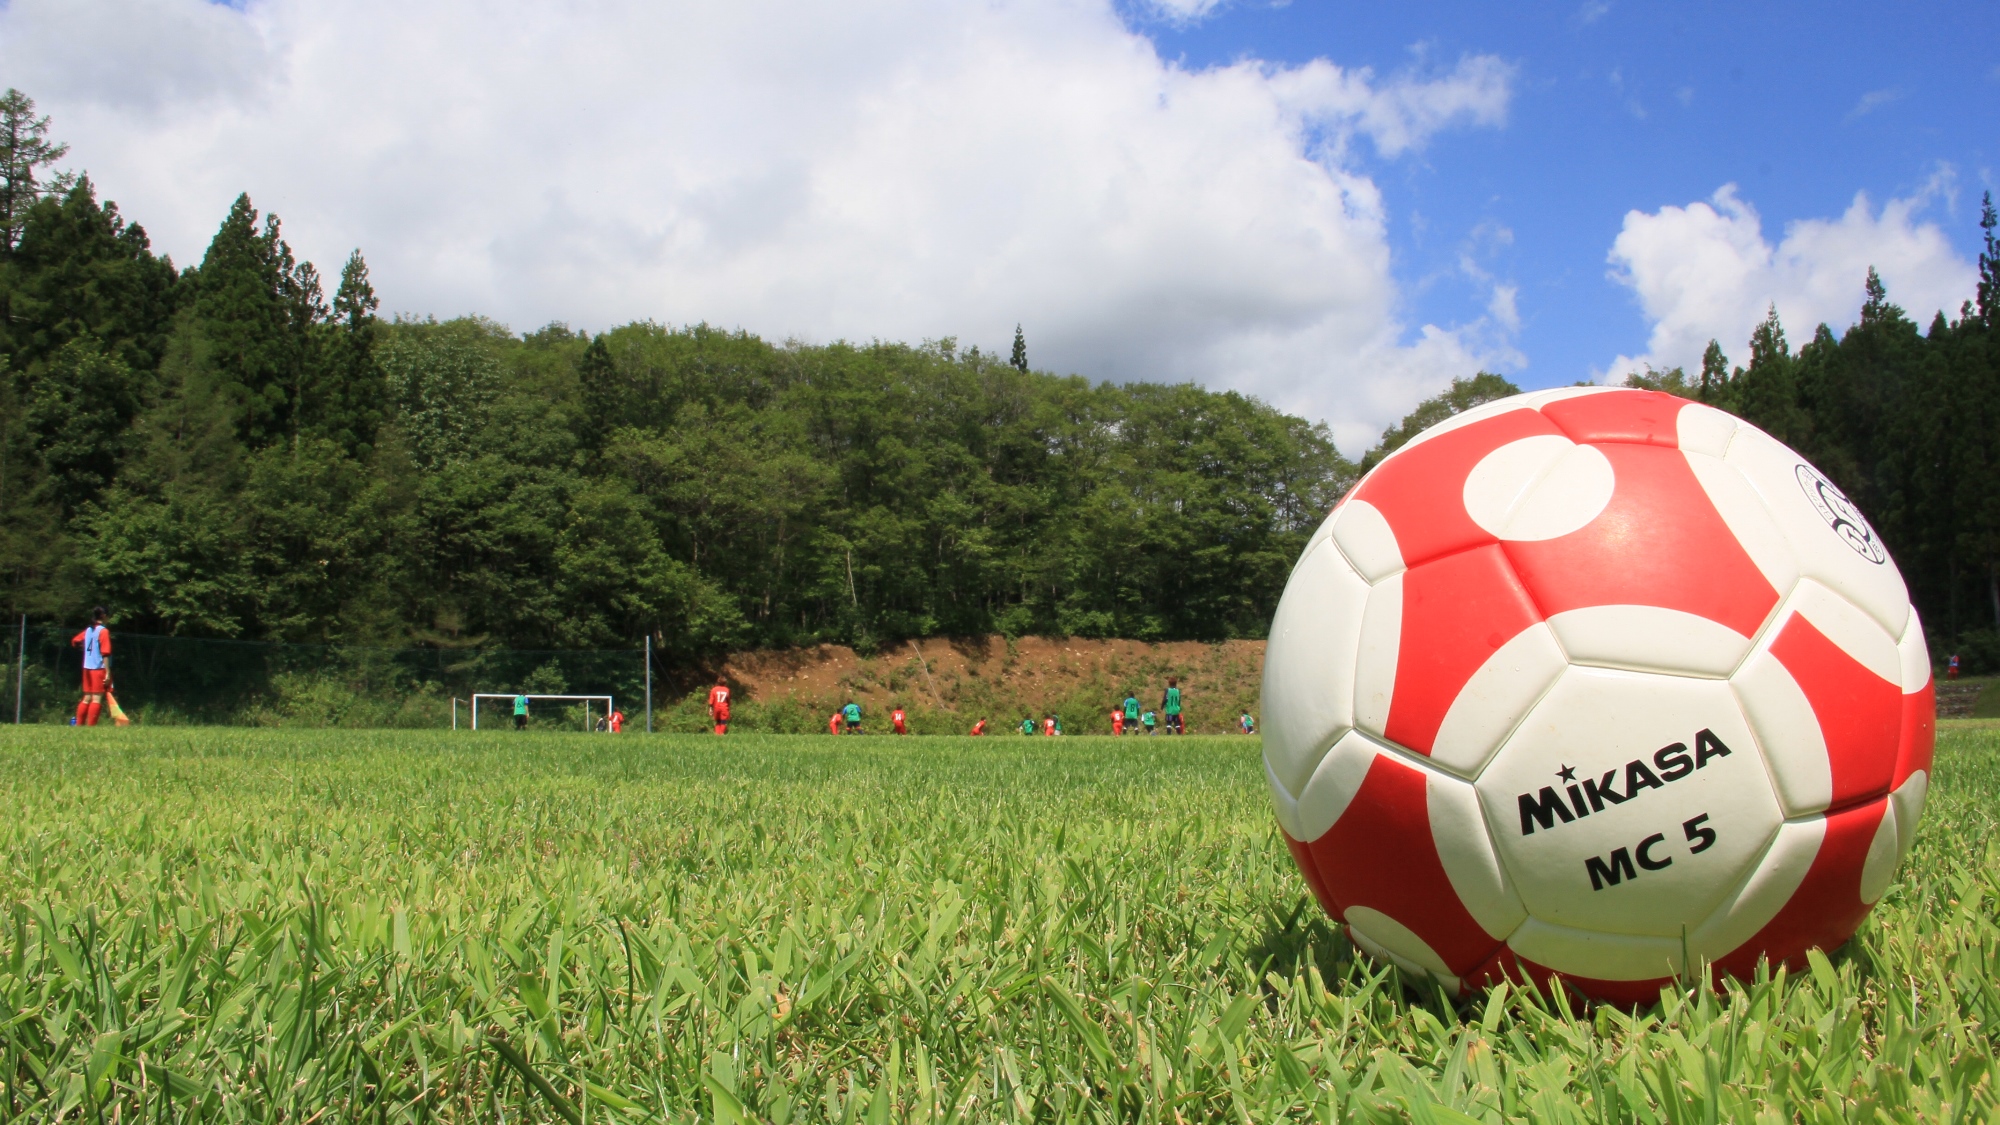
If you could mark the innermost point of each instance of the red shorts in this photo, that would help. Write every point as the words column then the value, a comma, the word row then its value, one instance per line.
column 93, row 681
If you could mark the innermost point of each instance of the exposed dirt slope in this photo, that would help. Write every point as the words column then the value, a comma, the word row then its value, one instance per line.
column 947, row 684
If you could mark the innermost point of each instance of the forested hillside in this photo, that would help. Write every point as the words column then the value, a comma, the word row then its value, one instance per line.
column 222, row 450
column 226, row 450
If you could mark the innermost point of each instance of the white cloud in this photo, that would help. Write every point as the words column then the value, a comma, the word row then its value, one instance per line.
column 1706, row 271
column 1183, row 12
column 1872, row 101
column 897, row 169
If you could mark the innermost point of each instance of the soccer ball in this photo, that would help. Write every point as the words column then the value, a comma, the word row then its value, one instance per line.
column 1596, row 683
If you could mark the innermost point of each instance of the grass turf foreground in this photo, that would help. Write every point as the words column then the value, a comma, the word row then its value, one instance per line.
column 237, row 925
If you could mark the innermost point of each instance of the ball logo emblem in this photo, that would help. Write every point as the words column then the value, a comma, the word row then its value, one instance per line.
column 1840, row 514
column 1575, row 685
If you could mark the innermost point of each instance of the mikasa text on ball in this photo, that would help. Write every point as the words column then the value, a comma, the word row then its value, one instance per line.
column 1588, row 682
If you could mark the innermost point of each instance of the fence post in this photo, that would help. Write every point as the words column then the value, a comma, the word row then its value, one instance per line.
column 649, row 679
column 20, row 669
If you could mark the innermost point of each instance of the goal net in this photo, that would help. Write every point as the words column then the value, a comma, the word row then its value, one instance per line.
column 499, row 707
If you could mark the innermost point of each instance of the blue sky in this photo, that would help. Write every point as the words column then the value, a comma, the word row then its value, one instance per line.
column 1335, row 207
column 1623, row 106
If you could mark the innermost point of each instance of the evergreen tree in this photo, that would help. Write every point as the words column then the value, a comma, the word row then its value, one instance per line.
column 1019, row 360
column 255, row 308
column 79, row 414
column 1875, row 306
column 1766, row 392
column 597, row 376
column 347, row 397
column 1989, row 265
column 1714, row 373
column 24, row 149
column 81, row 270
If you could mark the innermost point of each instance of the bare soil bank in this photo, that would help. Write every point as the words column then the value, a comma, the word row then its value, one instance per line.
column 946, row 684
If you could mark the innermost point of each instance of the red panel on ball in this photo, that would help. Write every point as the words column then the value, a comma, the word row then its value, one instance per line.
column 1919, row 734
column 1457, row 611
column 1507, row 965
column 1860, row 714
column 1659, row 542
column 1302, row 855
column 1419, row 490
column 1827, row 907
column 1380, row 854
column 1629, row 416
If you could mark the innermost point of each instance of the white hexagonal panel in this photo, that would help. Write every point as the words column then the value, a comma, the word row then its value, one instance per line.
column 1831, row 539
column 1495, row 700
column 1309, row 664
column 1628, row 802
column 1367, row 540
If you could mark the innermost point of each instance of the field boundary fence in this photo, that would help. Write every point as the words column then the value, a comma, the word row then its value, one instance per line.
column 163, row 681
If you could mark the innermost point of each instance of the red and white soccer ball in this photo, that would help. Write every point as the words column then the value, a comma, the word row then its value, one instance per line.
column 1589, row 681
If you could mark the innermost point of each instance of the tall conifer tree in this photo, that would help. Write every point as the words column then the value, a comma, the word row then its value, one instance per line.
column 346, row 395
column 255, row 307
column 25, row 148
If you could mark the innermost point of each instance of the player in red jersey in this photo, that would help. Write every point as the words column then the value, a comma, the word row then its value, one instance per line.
column 833, row 724
column 95, row 641
column 718, row 705
column 1048, row 726
column 979, row 728
column 617, row 721
column 1118, row 720
column 896, row 721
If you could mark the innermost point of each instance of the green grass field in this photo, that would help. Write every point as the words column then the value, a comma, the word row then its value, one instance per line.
column 404, row 926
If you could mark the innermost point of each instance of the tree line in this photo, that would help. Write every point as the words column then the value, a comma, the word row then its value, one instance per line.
column 223, row 450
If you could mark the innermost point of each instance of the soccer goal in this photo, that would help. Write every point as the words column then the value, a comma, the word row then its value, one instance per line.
column 589, row 721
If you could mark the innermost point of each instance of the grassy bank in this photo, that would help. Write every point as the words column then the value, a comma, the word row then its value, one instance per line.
column 402, row 926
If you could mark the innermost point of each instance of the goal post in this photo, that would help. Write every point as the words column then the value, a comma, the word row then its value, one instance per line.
column 510, row 696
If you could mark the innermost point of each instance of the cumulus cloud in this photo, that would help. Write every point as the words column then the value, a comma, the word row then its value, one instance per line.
column 898, row 169
column 1183, row 12
column 1706, row 271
